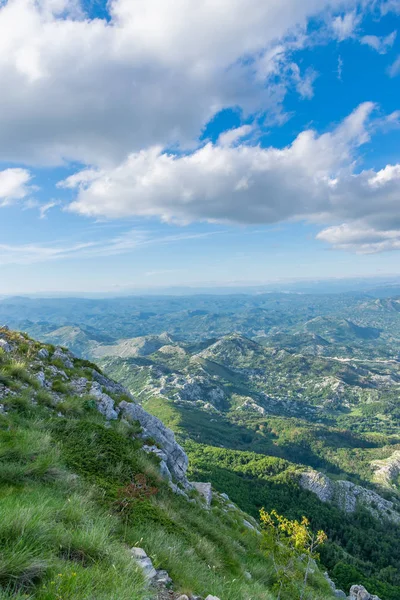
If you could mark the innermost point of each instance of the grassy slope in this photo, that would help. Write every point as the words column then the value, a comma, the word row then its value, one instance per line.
column 61, row 472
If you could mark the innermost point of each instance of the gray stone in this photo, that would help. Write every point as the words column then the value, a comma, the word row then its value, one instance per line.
column 176, row 459
column 177, row 490
column 204, row 490
column 225, row 496
column 80, row 385
column 105, row 404
column 4, row 345
column 247, row 575
column 162, row 578
column 111, row 386
column 43, row 353
column 144, row 563
column 209, row 597
column 358, row 592
column 347, row 495
column 183, row 597
column 41, row 378
column 64, row 357
column 164, row 471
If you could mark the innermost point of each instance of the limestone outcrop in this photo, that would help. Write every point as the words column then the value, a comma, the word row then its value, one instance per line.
column 347, row 495
column 387, row 470
column 176, row 458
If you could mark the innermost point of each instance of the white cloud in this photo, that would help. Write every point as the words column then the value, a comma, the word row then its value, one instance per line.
column 304, row 84
column 379, row 43
column 44, row 208
column 394, row 68
column 124, row 243
column 92, row 90
column 315, row 178
column 14, row 185
column 360, row 239
column 344, row 26
column 230, row 137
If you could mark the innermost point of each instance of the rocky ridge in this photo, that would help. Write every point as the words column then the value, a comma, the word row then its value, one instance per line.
column 347, row 495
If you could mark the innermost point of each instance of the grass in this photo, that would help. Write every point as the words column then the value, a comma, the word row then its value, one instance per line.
column 62, row 533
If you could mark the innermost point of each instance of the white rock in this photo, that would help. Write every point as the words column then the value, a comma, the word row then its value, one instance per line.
column 144, row 563
column 177, row 460
column 41, row 378
column 358, row 592
column 105, row 404
column 43, row 353
column 4, row 345
column 209, row 597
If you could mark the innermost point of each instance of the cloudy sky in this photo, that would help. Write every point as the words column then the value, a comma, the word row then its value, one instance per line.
column 147, row 143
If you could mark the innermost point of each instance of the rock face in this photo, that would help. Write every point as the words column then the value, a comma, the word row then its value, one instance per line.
column 177, row 460
column 112, row 387
column 358, row 592
column 204, row 490
column 386, row 471
column 105, row 404
column 346, row 495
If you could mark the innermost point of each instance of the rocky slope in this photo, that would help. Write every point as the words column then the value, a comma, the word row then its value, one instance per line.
column 67, row 431
column 347, row 496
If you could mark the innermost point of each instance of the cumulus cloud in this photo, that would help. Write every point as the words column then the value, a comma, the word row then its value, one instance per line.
column 92, row 90
column 315, row 178
column 360, row 239
column 14, row 185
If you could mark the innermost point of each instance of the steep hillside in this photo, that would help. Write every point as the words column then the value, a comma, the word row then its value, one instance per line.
column 96, row 503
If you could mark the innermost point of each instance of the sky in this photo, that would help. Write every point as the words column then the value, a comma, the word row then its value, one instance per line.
column 146, row 143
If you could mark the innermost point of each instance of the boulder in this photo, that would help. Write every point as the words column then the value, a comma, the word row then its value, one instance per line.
column 4, row 345
column 43, row 353
column 162, row 578
column 358, row 592
column 176, row 458
column 209, row 597
column 144, row 562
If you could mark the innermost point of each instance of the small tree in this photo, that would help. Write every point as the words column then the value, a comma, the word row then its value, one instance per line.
column 291, row 540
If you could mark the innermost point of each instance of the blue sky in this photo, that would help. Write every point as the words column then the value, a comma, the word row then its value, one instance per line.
column 233, row 142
